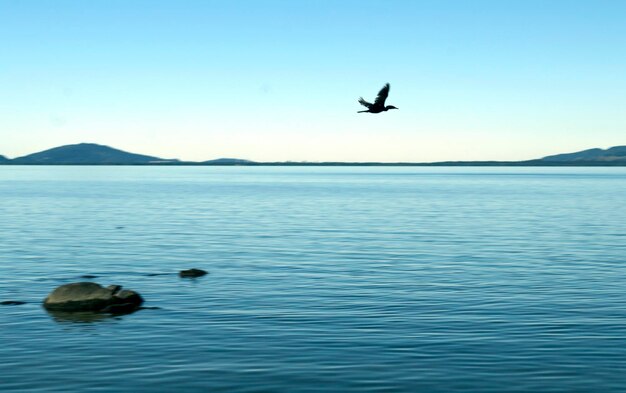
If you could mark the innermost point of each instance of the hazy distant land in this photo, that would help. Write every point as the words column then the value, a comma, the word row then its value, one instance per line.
column 94, row 154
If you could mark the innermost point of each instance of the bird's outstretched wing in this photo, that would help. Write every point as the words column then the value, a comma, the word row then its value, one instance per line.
column 365, row 103
column 382, row 96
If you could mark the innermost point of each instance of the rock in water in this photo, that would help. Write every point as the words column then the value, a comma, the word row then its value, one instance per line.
column 89, row 296
column 192, row 273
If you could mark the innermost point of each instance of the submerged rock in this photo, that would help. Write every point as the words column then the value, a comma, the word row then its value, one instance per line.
column 89, row 296
column 11, row 303
column 192, row 273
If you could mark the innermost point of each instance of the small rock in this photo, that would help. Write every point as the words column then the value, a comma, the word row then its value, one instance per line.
column 89, row 296
column 88, row 276
column 114, row 288
column 11, row 303
column 192, row 273
column 125, row 296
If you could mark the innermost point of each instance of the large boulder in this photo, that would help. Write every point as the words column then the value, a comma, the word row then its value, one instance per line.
column 89, row 296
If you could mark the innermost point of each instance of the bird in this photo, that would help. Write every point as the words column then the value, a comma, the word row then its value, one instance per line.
column 379, row 104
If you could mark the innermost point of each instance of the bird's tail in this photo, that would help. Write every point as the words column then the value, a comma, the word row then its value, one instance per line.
column 362, row 111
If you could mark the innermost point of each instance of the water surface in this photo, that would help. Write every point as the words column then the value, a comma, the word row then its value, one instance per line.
column 321, row 279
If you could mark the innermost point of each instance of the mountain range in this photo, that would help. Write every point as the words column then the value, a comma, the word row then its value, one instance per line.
column 88, row 153
column 94, row 154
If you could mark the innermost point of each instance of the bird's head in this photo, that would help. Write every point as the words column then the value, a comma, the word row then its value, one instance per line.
column 390, row 107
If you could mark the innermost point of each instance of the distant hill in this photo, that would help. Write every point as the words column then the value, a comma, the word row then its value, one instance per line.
column 94, row 154
column 617, row 153
column 87, row 153
column 228, row 161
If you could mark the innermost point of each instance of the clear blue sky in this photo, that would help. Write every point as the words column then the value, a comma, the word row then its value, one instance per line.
column 279, row 79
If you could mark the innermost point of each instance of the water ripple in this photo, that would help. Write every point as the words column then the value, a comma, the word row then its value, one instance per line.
column 324, row 279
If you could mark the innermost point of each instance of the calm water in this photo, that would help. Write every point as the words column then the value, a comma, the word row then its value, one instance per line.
column 322, row 279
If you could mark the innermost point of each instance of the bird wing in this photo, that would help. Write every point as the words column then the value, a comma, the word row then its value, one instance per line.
column 382, row 95
column 365, row 103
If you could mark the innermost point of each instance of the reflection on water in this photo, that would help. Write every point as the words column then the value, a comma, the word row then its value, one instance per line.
column 89, row 317
column 80, row 317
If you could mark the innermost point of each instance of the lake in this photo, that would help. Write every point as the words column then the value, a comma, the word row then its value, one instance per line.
column 322, row 279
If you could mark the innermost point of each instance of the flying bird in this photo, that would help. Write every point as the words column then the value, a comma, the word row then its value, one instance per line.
column 379, row 104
